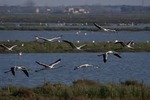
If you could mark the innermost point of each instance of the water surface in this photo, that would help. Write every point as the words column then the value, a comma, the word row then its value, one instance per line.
column 132, row 66
column 82, row 36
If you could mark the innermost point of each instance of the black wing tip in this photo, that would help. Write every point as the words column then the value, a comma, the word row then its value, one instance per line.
column 58, row 59
column 6, row 72
column 13, row 73
column 36, row 71
column 75, row 68
column 27, row 75
column 37, row 62
column 118, row 55
column 65, row 40
column 105, row 60
column 94, row 23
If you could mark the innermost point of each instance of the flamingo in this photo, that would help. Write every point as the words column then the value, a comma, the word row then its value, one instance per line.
column 104, row 29
column 15, row 68
column 74, row 46
column 105, row 55
column 128, row 45
column 8, row 48
column 50, row 40
column 84, row 66
column 48, row 66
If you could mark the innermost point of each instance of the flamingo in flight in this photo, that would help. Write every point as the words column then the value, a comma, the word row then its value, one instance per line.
column 47, row 39
column 48, row 66
column 84, row 66
column 128, row 45
column 15, row 68
column 105, row 55
column 74, row 46
column 104, row 29
column 8, row 48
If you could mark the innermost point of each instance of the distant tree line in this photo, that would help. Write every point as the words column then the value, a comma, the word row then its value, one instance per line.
column 93, row 9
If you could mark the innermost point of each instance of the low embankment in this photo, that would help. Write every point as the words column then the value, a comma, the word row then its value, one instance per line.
column 61, row 47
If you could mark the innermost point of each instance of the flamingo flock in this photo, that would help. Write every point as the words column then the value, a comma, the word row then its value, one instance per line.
column 57, row 63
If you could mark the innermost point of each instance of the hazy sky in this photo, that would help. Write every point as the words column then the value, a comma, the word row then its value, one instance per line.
column 75, row 2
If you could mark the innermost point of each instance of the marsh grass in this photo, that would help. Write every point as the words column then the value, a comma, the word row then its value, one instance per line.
column 56, row 47
column 79, row 90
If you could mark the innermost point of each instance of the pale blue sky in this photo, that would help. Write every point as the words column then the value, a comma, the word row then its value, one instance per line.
column 75, row 2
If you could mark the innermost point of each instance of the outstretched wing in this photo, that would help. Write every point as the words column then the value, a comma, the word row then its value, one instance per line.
column 26, row 72
column 13, row 71
column 120, row 42
column 104, row 57
column 82, row 45
column 130, row 42
column 2, row 45
column 70, row 43
column 117, row 54
column 52, row 64
column 55, row 63
column 76, row 68
column 13, row 46
column 43, row 38
column 98, row 26
column 57, row 67
column 55, row 38
column 45, row 65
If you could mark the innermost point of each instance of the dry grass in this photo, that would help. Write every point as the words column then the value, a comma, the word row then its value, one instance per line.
column 79, row 90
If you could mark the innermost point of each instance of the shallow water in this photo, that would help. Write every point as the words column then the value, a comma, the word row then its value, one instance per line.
column 132, row 66
column 82, row 36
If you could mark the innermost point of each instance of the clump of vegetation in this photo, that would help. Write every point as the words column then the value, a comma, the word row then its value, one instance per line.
column 131, row 82
column 80, row 90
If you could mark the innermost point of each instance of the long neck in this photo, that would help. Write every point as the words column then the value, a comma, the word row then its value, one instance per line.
column 7, row 71
column 39, row 70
